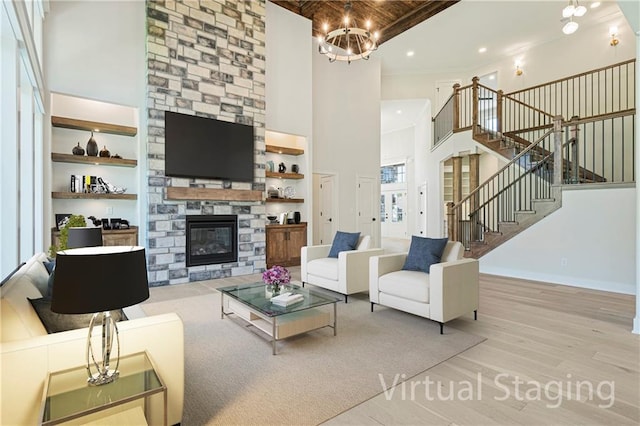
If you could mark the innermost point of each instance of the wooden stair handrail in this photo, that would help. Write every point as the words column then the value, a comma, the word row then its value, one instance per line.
column 582, row 74
column 513, row 160
column 528, row 106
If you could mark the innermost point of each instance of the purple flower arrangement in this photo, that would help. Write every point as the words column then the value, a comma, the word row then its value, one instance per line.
column 276, row 275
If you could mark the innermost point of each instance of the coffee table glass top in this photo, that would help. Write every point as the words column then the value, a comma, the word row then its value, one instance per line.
column 257, row 297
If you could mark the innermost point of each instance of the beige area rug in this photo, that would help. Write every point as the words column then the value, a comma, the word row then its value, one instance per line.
column 231, row 377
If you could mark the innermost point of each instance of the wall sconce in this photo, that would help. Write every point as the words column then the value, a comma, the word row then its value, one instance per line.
column 518, row 69
column 613, row 32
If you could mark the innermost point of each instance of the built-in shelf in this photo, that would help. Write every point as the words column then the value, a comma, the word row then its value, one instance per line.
column 186, row 193
column 284, row 150
column 92, row 196
column 96, row 126
column 285, row 200
column 284, row 175
column 85, row 159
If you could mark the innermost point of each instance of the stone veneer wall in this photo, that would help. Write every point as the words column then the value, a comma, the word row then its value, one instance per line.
column 205, row 58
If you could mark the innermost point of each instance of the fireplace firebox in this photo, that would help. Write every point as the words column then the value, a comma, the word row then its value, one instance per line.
column 211, row 239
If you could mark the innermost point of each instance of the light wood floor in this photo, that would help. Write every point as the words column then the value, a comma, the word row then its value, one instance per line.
column 543, row 342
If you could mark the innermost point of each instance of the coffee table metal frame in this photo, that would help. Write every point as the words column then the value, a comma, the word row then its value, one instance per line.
column 253, row 297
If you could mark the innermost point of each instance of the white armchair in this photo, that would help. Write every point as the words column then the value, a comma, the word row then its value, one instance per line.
column 449, row 290
column 348, row 274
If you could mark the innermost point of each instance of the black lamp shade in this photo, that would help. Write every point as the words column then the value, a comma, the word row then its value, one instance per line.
column 84, row 237
column 98, row 279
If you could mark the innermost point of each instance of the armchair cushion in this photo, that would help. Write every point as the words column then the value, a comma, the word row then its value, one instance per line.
column 412, row 285
column 423, row 253
column 344, row 241
column 326, row 267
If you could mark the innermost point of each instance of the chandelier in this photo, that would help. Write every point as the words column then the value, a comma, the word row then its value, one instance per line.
column 573, row 9
column 348, row 42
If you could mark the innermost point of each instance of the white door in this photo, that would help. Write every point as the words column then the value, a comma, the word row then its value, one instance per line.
column 393, row 213
column 328, row 209
column 367, row 221
column 421, row 221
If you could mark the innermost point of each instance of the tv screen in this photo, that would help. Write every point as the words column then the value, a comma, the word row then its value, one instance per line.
column 198, row 147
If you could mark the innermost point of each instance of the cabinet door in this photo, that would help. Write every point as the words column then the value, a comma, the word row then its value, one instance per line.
column 120, row 238
column 297, row 240
column 277, row 246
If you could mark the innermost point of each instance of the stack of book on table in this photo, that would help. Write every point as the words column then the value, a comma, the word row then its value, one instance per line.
column 286, row 299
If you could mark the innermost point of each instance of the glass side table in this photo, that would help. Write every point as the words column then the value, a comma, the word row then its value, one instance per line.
column 67, row 395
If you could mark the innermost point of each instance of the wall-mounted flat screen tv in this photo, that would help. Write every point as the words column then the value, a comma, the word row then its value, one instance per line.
column 199, row 147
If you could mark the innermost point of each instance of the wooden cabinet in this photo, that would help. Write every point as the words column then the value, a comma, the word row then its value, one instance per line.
column 284, row 243
column 110, row 237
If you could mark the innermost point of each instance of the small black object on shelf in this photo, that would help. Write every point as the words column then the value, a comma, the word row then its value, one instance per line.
column 282, row 168
column 77, row 150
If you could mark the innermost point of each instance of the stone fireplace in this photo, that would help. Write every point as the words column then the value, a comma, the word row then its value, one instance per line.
column 205, row 59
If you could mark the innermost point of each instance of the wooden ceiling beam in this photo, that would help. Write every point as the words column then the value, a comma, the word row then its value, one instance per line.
column 389, row 17
column 413, row 18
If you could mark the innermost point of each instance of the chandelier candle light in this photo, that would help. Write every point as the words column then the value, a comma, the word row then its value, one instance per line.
column 348, row 43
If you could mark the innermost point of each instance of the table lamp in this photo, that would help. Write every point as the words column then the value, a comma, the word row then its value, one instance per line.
column 84, row 237
column 97, row 280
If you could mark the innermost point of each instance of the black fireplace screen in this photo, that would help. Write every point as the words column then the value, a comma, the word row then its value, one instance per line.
column 212, row 239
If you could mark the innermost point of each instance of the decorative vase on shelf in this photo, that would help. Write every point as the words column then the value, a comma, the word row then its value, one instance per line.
column 104, row 152
column 92, row 147
column 77, row 150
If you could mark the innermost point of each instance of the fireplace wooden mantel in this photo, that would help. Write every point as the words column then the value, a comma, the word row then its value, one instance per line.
column 186, row 193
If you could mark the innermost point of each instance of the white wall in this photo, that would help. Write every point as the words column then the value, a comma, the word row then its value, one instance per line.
column 96, row 50
column 289, row 72
column 397, row 146
column 288, row 94
column 346, row 126
column 590, row 233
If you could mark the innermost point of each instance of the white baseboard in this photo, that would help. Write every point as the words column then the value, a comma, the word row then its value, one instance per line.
column 615, row 287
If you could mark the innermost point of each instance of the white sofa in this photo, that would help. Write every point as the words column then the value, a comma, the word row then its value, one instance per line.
column 348, row 274
column 449, row 290
column 28, row 353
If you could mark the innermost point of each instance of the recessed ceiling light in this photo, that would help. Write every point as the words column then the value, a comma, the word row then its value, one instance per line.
column 492, row 77
column 410, row 53
column 482, row 50
column 399, row 111
column 595, row 4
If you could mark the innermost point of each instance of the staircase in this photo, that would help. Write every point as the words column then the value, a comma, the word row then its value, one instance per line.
column 535, row 137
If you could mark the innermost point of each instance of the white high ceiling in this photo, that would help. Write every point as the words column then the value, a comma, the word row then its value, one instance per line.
column 505, row 28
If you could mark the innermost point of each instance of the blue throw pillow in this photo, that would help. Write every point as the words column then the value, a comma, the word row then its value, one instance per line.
column 423, row 253
column 344, row 241
column 51, row 269
column 50, row 266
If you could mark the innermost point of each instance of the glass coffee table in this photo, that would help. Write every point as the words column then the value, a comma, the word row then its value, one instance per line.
column 252, row 303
